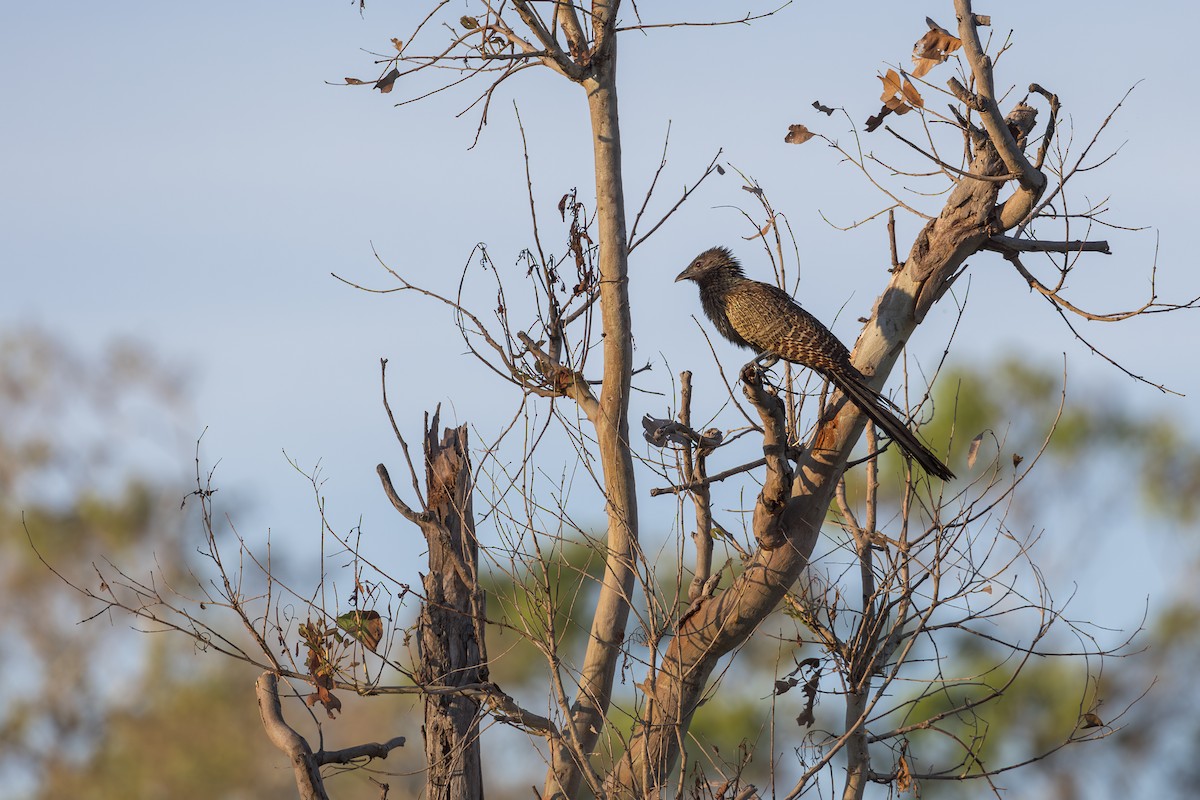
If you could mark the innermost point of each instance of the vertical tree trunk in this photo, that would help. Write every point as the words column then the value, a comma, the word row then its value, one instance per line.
column 858, row 759
column 449, row 636
column 612, row 424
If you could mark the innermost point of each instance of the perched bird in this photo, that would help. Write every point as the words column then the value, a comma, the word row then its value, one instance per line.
column 767, row 320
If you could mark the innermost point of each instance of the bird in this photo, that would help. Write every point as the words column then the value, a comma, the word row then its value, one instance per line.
column 765, row 319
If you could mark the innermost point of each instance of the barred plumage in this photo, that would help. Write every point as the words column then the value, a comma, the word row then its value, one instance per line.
column 767, row 320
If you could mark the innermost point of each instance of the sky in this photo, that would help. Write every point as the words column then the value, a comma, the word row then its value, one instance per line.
column 186, row 176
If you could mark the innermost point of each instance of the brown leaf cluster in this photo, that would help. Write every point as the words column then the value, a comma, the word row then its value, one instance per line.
column 899, row 97
column 317, row 641
column 899, row 94
column 806, row 718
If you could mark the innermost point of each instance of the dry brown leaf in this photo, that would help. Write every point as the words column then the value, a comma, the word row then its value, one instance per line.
column 385, row 83
column 470, row 23
column 826, row 110
column 877, row 120
column 798, row 134
column 933, row 48
column 355, row 81
column 973, row 449
column 399, row 45
column 1017, row 459
column 323, row 683
column 904, row 778
column 912, row 95
column 810, row 700
column 1091, row 720
column 899, row 97
column 891, row 85
column 365, row 626
column 761, row 233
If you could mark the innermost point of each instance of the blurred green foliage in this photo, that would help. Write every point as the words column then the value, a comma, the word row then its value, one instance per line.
column 100, row 711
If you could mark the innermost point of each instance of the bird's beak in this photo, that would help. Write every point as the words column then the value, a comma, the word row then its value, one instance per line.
column 683, row 276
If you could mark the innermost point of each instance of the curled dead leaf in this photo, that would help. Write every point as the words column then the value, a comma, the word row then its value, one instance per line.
column 355, row 81
column 323, row 683
column 899, row 94
column 1091, row 720
column 470, row 23
column 763, row 232
column 877, row 120
column 826, row 110
column 933, row 48
column 899, row 97
column 891, row 85
column 399, row 45
column 798, row 134
column 661, row 432
column 1017, row 459
column 904, row 778
column 385, row 83
column 808, row 717
column 973, row 449
column 365, row 626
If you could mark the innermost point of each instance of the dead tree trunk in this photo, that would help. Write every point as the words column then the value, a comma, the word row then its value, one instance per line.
column 449, row 629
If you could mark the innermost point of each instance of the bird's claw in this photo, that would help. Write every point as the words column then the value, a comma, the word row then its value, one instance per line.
column 752, row 373
column 756, row 368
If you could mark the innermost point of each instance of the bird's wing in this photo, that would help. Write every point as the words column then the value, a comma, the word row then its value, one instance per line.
column 768, row 318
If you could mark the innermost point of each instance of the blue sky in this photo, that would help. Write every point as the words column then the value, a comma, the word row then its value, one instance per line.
column 182, row 174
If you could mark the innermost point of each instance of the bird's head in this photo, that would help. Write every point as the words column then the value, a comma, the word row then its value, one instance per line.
column 712, row 261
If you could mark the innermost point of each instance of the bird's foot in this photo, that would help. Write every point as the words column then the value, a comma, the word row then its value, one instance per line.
column 756, row 368
column 752, row 374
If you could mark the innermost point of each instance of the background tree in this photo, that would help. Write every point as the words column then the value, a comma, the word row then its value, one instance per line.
column 89, row 472
column 880, row 633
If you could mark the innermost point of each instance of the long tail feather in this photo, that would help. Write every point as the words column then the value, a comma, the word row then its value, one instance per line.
column 874, row 406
